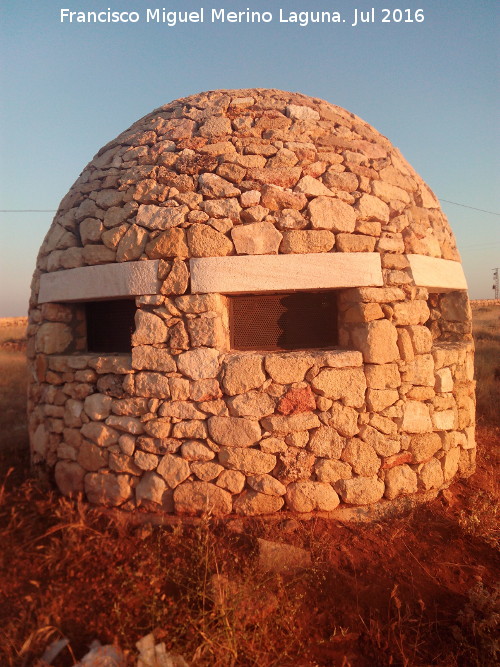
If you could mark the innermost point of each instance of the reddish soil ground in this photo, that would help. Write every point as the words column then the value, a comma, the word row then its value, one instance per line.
column 414, row 590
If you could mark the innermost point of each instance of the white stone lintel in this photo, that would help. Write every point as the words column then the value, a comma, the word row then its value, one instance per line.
column 104, row 281
column 269, row 273
column 247, row 273
column 438, row 275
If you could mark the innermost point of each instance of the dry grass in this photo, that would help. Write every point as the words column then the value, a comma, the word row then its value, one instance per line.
column 12, row 328
column 413, row 591
column 486, row 326
column 402, row 592
column 13, row 387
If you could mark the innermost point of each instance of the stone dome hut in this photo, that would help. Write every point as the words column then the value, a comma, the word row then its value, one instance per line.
column 248, row 303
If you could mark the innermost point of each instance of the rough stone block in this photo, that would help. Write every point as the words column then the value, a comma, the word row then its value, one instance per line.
column 249, row 461
column 382, row 376
column 361, row 457
column 266, row 484
column 444, row 420
column 107, row 489
column 173, row 469
column 346, row 384
column 416, row 418
column 207, row 330
column 206, row 471
column 199, row 363
column 420, row 371
column 149, row 329
column 152, row 385
column 309, row 496
column 431, row 475
column 145, row 460
column 444, row 380
column 177, row 279
column 326, row 442
column 288, row 423
column 288, row 368
column 151, row 488
column 372, row 208
column 159, row 218
column 343, row 419
column 377, row 341
column 421, row 338
column 125, row 423
column 400, row 480
column 53, row 338
column 332, row 471
column 99, row 433
column 363, row 312
column 195, row 429
column 234, row 431
column 251, row 404
column 252, row 503
column 360, row 490
column 301, row 241
column 450, row 462
column 297, row 400
column 331, row 214
column 355, row 243
column 242, row 373
column 259, row 238
column 379, row 399
column 147, row 357
column 193, row 450
column 423, row 446
column 411, row 313
column 204, row 241
column 382, row 443
column 69, row 477
column 202, row 498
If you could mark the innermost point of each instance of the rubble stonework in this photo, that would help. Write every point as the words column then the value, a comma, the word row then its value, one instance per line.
column 184, row 423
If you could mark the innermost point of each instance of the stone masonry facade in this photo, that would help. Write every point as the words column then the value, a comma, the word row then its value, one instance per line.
column 184, row 423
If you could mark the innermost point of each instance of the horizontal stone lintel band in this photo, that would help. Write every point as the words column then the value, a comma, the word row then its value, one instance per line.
column 104, row 281
column 267, row 273
column 247, row 273
column 438, row 275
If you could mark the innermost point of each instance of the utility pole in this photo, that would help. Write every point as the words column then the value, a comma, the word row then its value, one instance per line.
column 496, row 286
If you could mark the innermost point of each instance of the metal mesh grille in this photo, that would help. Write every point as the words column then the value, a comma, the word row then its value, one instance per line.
column 109, row 325
column 300, row 320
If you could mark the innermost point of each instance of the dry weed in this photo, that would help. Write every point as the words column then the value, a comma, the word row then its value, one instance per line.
column 479, row 518
column 478, row 623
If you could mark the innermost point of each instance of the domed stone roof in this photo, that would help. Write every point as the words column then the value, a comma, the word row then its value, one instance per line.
column 188, row 179
column 250, row 301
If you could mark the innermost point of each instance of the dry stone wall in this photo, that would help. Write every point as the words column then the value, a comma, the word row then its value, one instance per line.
column 185, row 424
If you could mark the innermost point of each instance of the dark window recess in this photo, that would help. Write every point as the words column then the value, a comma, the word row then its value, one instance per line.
column 109, row 325
column 299, row 320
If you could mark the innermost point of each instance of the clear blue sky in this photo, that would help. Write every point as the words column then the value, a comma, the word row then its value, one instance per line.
column 67, row 89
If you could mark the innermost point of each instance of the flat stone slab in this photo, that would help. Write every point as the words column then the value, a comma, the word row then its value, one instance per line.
column 280, row 557
column 103, row 281
column 267, row 273
column 438, row 275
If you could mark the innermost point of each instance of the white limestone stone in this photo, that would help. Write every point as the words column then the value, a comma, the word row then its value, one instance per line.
column 266, row 273
column 103, row 281
column 440, row 275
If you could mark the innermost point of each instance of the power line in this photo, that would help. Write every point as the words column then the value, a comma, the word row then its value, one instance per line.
column 471, row 207
column 27, row 210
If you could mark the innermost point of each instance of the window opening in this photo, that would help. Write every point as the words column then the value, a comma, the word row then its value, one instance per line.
column 110, row 325
column 291, row 321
